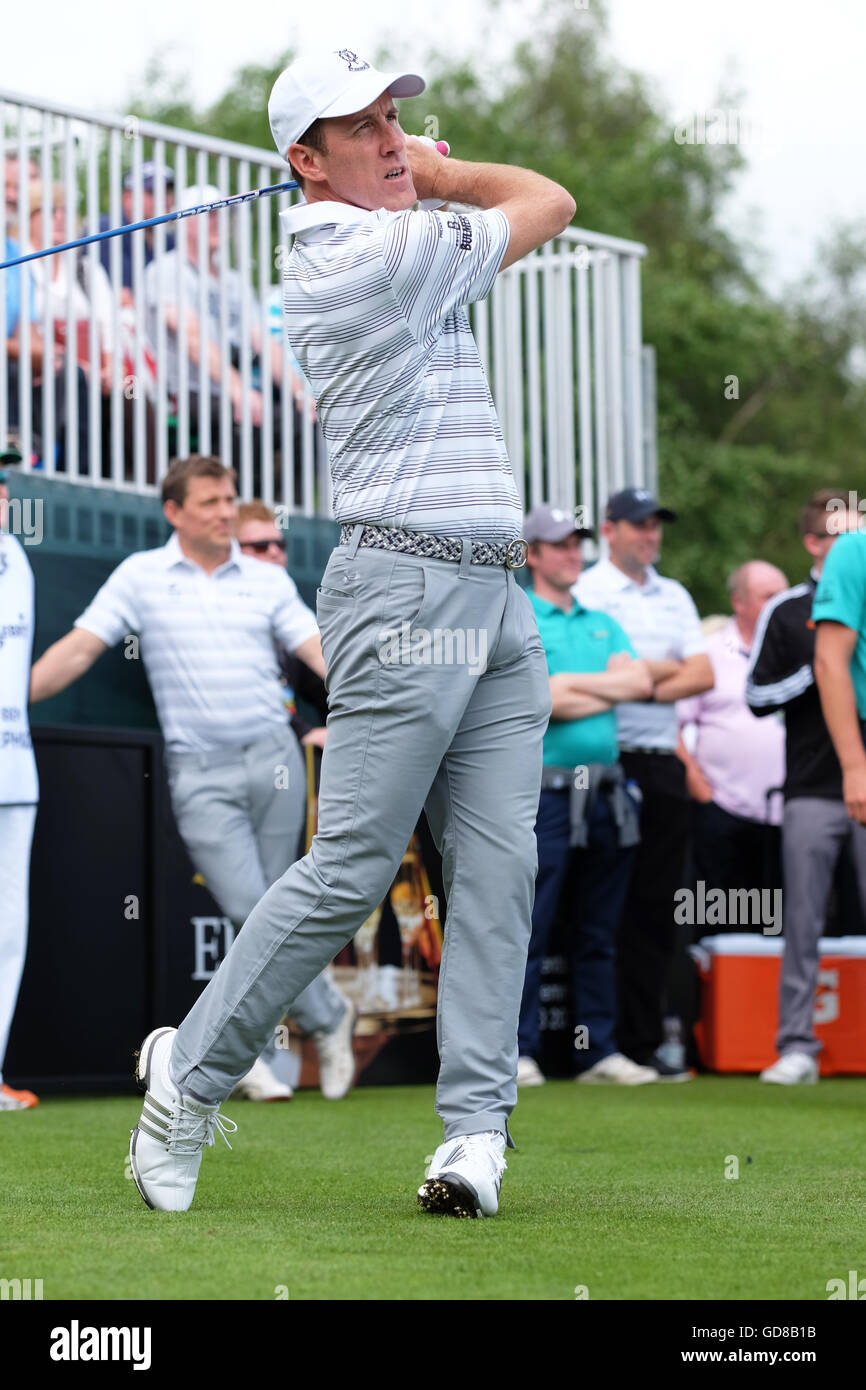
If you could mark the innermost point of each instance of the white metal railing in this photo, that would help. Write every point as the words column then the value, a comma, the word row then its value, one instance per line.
column 560, row 336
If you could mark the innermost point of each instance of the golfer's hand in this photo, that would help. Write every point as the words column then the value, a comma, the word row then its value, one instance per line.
column 427, row 165
column 854, row 792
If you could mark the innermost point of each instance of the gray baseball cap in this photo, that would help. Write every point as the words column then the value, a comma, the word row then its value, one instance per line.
column 552, row 524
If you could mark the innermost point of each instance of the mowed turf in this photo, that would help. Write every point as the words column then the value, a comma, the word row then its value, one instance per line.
column 622, row 1191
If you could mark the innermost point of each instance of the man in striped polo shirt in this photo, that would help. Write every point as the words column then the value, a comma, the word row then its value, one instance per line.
column 437, row 682
column 208, row 619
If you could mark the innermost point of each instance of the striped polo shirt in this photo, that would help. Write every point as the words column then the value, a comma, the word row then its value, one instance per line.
column 662, row 624
column 374, row 311
column 208, row 641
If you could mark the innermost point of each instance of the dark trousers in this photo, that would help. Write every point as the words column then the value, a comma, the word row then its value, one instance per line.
column 597, row 880
column 734, row 852
column 647, row 932
column 57, row 384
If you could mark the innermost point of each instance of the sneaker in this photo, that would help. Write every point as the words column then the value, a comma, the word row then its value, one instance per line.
column 666, row 1072
column 792, row 1069
column 618, row 1071
column 465, row 1176
column 166, row 1145
column 529, row 1073
column 17, row 1100
column 336, row 1058
column 260, row 1083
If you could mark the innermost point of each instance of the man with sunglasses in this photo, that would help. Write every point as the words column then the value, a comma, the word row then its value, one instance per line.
column 259, row 536
column 209, row 619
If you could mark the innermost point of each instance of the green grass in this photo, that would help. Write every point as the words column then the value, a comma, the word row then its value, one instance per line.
column 620, row 1190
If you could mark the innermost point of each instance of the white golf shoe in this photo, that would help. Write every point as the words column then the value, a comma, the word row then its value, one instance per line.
column 529, row 1073
column 336, row 1058
column 618, row 1070
column 465, row 1176
column 260, row 1083
column 794, row 1069
column 166, row 1145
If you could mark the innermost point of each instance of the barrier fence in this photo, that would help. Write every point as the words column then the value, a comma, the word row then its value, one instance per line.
column 110, row 382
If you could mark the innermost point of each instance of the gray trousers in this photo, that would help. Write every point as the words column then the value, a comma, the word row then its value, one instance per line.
column 240, row 813
column 459, row 738
column 814, row 832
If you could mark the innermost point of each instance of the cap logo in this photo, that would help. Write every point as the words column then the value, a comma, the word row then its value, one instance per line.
column 355, row 63
column 642, row 495
column 557, row 515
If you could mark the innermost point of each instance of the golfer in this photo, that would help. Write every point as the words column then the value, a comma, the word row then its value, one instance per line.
column 374, row 299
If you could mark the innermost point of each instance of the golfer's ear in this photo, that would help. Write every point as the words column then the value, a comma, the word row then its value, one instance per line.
column 305, row 162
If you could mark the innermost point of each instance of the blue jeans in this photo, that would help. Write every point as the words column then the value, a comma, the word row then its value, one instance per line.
column 598, row 888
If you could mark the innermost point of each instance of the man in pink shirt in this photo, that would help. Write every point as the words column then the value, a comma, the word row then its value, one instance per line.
column 732, row 758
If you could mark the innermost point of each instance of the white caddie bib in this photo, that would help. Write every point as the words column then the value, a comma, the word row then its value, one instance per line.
column 18, row 781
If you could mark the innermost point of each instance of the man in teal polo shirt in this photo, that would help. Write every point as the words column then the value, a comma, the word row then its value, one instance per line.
column 839, row 610
column 587, row 817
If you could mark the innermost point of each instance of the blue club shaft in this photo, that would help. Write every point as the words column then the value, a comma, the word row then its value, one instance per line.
column 151, row 222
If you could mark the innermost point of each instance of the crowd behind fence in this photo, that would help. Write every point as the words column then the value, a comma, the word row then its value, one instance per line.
column 133, row 355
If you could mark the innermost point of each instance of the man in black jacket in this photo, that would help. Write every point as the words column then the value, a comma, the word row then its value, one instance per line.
column 816, row 826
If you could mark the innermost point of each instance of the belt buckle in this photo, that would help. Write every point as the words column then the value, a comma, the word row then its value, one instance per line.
column 510, row 562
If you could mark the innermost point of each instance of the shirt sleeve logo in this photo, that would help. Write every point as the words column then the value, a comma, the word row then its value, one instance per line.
column 355, row 63
column 461, row 224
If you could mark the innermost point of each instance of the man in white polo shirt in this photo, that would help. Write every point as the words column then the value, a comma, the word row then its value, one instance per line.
column 663, row 626
column 437, row 682
column 19, row 787
column 209, row 619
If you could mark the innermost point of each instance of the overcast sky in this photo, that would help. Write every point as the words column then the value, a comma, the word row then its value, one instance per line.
column 801, row 65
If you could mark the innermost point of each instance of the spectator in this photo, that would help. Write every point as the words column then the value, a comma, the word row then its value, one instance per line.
column 70, row 279
column 41, row 365
column 151, row 175
column 91, row 297
column 209, row 619
column 11, row 180
column 19, row 787
column 259, row 536
column 161, row 289
column 735, row 762
column 586, row 818
column 662, row 623
column 816, row 828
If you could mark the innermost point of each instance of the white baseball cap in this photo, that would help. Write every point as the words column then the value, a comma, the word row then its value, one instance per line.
column 329, row 84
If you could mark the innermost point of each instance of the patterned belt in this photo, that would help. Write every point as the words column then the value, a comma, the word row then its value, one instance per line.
column 511, row 554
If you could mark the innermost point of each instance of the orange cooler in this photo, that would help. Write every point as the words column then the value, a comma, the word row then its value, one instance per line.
column 739, row 973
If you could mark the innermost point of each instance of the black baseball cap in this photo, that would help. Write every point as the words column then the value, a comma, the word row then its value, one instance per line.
column 9, row 457
column 636, row 504
column 552, row 524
